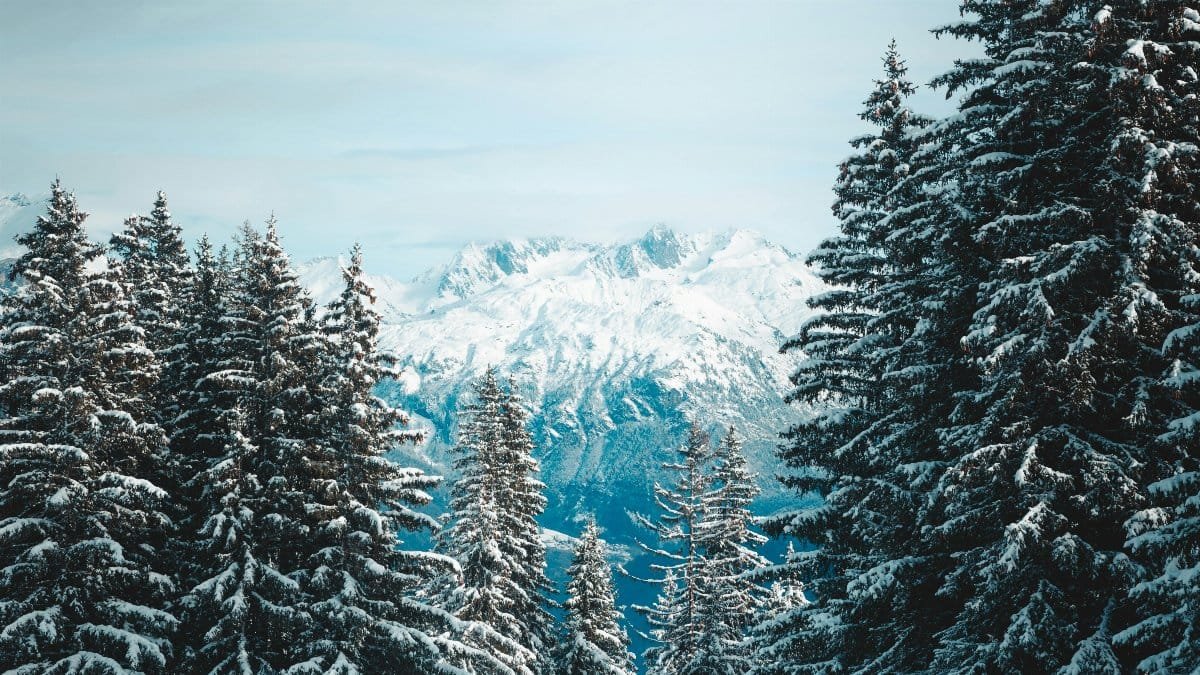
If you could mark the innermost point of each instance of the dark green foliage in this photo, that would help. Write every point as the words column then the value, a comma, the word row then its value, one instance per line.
column 79, row 515
column 875, row 366
column 1004, row 486
column 493, row 534
column 361, row 586
column 595, row 642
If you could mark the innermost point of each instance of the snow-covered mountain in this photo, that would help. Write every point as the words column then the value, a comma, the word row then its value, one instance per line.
column 615, row 347
column 18, row 213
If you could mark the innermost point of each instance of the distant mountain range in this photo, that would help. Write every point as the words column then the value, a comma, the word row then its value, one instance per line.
column 616, row 348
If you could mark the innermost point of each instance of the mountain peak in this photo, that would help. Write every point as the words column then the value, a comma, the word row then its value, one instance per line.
column 18, row 213
column 478, row 266
column 663, row 247
column 17, row 199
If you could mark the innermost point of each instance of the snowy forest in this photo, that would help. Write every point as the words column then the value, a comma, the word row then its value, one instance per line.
column 999, row 472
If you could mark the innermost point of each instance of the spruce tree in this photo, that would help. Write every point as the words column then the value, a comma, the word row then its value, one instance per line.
column 521, row 501
column 206, row 305
column 1045, row 451
column 781, row 631
column 246, row 607
column 730, row 593
column 79, row 517
column 1044, row 244
column 668, row 623
column 877, row 371
column 361, row 585
column 492, row 533
column 676, row 617
column 1150, row 51
column 151, row 261
column 595, row 641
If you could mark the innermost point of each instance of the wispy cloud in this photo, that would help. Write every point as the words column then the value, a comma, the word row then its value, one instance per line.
column 418, row 126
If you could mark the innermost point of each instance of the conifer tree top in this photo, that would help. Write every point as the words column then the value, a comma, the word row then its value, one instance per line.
column 886, row 102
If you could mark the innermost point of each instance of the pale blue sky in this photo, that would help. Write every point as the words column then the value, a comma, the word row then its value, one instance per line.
column 415, row 127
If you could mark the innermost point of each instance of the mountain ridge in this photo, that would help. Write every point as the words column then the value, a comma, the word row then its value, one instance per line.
column 616, row 347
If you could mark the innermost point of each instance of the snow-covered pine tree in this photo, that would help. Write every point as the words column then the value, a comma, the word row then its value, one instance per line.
column 521, row 500
column 150, row 260
column 729, row 586
column 488, row 532
column 1044, row 453
column 206, row 306
column 595, row 642
column 1151, row 50
column 667, row 623
column 872, row 369
column 675, row 617
column 79, row 591
column 362, row 586
column 245, row 606
column 781, row 632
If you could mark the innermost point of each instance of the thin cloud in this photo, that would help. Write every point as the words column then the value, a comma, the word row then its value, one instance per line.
column 388, row 122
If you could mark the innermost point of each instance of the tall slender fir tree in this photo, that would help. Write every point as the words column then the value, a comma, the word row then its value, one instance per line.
column 361, row 585
column 731, row 594
column 870, row 373
column 150, row 260
column 595, row 642
column 246, row 606
column 676, row 618
column 492, row 533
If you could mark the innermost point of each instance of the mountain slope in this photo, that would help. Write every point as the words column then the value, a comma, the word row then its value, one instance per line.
column 615, row 348
column 18, row 214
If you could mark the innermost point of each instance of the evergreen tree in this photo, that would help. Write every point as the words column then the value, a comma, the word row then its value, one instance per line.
column 1044, row 245
column 1044, row 452
column 493, row 535
column 206, row 307
column 668, row 623
column 246, row 607
column 520, row 500
column 781, row 630
column 730, row 593
column 149, row 258
column 595, row 642
column 676, row 617
column 150, row 263
column 879, row 362
column 79, row 591
column 1149, row 50
column 362, row 585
